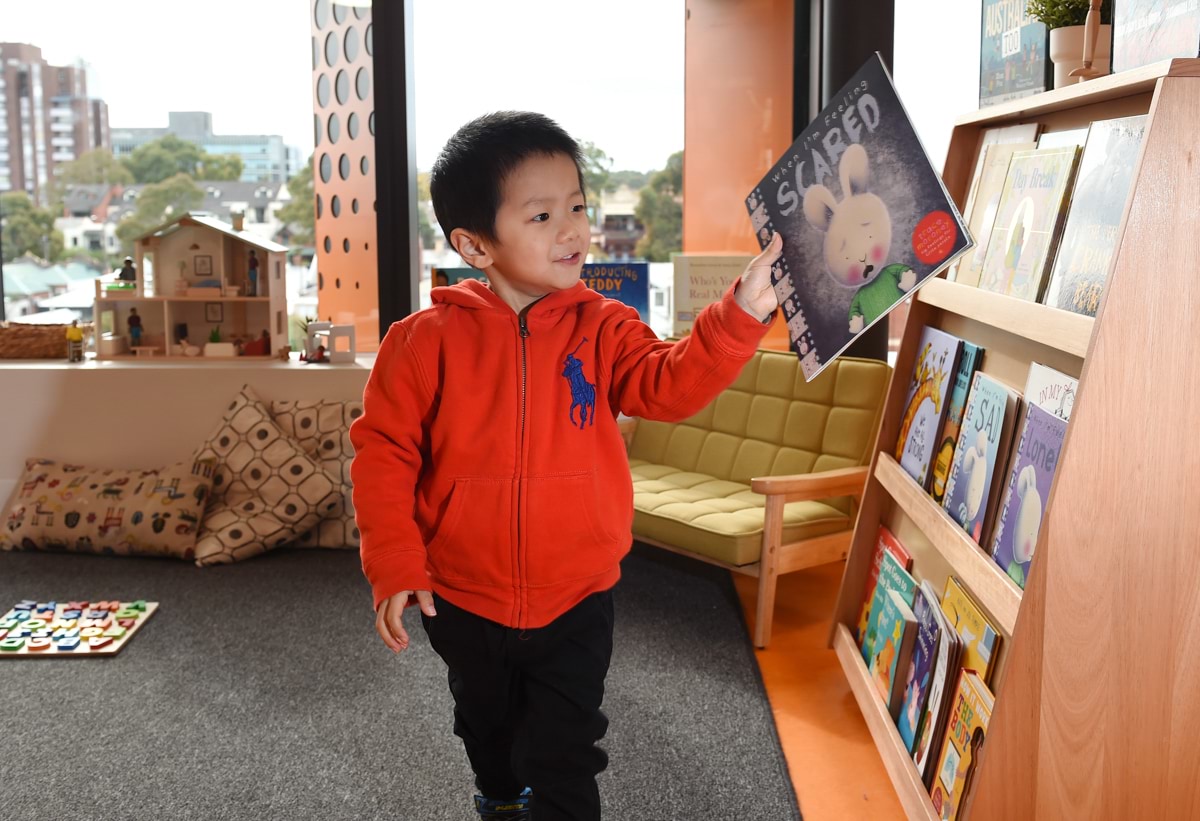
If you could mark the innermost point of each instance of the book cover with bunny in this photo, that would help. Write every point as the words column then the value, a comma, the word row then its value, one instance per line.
column 864, row 217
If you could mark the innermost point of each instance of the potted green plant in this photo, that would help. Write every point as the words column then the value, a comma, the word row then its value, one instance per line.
column 1066, row 19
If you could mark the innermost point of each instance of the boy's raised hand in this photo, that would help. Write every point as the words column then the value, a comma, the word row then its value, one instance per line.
column 755, row 292
column 388, row 618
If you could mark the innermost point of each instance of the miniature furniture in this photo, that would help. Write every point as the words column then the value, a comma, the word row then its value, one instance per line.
column 1095, row 713
column 328, row 334
column 763, row 481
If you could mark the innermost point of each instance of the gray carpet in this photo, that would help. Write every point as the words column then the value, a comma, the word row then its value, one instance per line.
column 261, row 690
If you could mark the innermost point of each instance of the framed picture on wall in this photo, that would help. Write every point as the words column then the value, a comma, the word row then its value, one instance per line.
column 214, row 312
column 203, row 264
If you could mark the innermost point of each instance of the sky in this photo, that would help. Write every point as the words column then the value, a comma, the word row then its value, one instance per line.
column 609, row 73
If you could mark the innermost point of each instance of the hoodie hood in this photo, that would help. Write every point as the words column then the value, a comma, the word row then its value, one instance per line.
column 476, row 295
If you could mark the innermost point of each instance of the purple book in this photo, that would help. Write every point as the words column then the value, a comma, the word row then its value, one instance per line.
column 920, row 670
column 1029, row 482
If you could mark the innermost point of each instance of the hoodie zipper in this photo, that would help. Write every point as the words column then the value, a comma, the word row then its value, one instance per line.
column 524, row 329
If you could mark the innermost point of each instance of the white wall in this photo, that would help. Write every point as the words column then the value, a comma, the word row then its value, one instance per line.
column 936, row 66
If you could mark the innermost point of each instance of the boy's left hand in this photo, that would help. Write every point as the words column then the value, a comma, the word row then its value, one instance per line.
column 755, row 293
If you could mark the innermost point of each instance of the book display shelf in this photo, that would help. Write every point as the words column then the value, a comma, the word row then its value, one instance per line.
column 1097, row 712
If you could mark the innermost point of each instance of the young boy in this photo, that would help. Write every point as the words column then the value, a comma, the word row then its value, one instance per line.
column 490, row 479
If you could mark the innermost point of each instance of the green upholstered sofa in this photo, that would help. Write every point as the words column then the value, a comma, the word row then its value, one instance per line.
column 765, row 480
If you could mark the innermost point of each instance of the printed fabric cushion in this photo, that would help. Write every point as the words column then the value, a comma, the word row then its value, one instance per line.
column 60, row 506
column 322, row 428
column 266, row 489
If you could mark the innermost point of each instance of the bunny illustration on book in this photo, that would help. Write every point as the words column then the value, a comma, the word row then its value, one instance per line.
column 974, row 468
column 858, row 239
column 1029, row 522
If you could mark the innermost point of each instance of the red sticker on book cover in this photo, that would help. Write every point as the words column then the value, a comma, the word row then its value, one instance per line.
column 933, row 238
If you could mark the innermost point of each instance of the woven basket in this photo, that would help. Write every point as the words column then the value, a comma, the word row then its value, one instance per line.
column 21, row 341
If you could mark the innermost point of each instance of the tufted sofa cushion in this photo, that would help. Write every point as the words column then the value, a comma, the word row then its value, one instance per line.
column 691, row 479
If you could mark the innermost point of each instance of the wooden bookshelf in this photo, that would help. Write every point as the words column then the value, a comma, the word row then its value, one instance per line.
column 1092, row 717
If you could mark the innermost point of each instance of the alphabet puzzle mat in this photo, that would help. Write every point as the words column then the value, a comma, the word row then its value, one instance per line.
column 77, row 629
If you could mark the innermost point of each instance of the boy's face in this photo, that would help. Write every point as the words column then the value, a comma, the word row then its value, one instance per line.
column 542, row 231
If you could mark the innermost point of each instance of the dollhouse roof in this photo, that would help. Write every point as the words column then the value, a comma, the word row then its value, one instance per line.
column 209, row 221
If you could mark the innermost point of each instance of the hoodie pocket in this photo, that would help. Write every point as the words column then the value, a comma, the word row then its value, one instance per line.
column 568, row 535
column 473, row 540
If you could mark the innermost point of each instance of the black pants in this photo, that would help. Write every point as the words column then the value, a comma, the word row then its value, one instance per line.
column 527, row 703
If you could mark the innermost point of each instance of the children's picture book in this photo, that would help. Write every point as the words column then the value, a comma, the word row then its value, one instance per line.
column 885, row 543
column 895, row 631
column 892, row 576
column 926, row 610
column 1146, row 31
column 1051, row 390
column 968, row 362
column 982, row 442
column 981, row 211
column 701, row 280
column 1063, row 139
column 627, row 282
column 1097, row 205
column 926, row 402
column 1029, row 479
column 1012, row 53
column 970, row 714
column 864, row 217
column 979, row 636
column 1028, row 218
column 453, row 276
column 946, row 665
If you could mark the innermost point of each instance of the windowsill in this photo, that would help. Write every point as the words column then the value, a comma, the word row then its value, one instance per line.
column 90, row 363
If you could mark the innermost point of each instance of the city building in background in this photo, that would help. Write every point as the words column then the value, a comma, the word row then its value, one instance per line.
column 617, row 229
column 265, row 158
column 46, row 119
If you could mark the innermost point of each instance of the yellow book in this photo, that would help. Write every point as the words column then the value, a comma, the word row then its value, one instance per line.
column 980, row 638
column 965, row 732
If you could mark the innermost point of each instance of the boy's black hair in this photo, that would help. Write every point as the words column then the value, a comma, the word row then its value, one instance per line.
column 467, row 180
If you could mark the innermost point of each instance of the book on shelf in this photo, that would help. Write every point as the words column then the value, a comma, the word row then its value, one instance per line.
column 1028, row 218
column 895, row 632
column 452, row 276
column 864, row 217
column 886, row 542
column 700, row 280
column 1051, row 390
column 1028, row 489
column 1063, row 139
column 944, row 674
column 1089, row 237
column 1013, row 53
column 892, row 576
column 926, row 402
column 971, row 496
column 979, row 635
column 969, row 361
column 966, row 730
column 981, row 209
column 627, row 282
column 1146, row 31
column 926, row 610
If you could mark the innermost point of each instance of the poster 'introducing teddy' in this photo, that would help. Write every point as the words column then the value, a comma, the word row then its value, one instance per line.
column 864, row 216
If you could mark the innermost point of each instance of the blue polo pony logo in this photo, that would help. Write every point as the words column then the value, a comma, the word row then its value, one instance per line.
column 583, row 392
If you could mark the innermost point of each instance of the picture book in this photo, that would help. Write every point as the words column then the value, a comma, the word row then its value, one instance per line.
column 1028, row 218
column 892, row 576
column 980, row 638
column 888, row 543
column 864, row 217
column 1063, row 139
column 895, row 630
column 966, row 729
column 1013, row 50
column 1097, row 205
column 1146, row 31
column 926, row 402
column 627, row 282
column 946, row 665
column 1029, row 479
column 1051, row 390
column 453, row 276
column 920, row 670
column 701, row 280
column 982, row 442
column 981, row 211
column 968, row 362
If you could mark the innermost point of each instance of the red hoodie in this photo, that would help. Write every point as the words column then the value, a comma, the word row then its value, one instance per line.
column 488, row 464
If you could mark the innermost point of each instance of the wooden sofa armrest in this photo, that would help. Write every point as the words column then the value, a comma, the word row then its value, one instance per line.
column 808, row 486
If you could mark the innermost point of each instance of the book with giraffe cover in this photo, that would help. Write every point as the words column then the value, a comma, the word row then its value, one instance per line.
column 926, row 402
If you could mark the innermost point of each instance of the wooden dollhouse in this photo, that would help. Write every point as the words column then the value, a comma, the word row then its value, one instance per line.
column 204, row 289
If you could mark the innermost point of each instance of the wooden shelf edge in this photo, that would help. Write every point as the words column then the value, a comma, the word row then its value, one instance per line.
column 990, row 587
column 896, row 759
column 1052, row 327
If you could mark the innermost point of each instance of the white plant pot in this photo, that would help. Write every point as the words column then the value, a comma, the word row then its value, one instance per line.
column 1066, row 50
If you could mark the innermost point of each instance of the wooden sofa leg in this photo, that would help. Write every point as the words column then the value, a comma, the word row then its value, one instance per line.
column 768, row 570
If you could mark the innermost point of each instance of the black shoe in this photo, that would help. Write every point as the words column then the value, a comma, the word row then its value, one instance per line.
column 514, row 809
